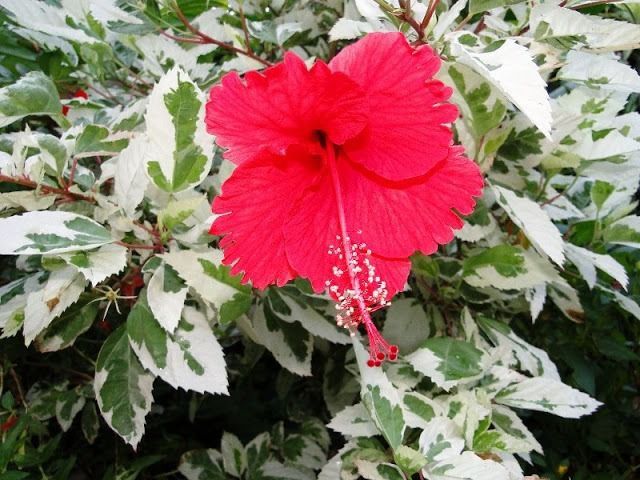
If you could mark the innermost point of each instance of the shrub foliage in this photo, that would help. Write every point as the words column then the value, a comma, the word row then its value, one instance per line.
column 129, row 351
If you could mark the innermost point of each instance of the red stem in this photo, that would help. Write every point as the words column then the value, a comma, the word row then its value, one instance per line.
column 140, row 246
column 182, row 39
column 553, row 199
column 243, row 22
column 407, row 17
column 153, row 230
column 25, row 182
column 427, row 17
column 204, row 38
column 72, row 173
column 481, row 26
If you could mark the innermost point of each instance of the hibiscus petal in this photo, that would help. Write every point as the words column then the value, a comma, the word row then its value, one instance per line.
column 393, row 271
column 284, row 105
column 313, row 229
column 253, row 207
column 405, row 136
column 399, row 218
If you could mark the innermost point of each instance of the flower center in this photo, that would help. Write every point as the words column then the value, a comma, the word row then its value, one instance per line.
column 366, row 291
column 321, row 137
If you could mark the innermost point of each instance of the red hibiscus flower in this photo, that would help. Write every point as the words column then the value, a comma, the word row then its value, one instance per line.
column 9, row 424
column 79, row 93
column 343, row 171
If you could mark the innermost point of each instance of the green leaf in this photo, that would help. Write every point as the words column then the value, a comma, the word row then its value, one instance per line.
column 274, row 32
column 234, row 456
column 381, row 399
column 348, row 29
column 166, row 294
column 33, row 94
column 599, row 71
column 558, row 159
column 202, row 465
column 489, row 440
column 133, row 470
column 505, row 64
column 481, row 6
column 54, row 153
column 530, row 358
column 485, row 110
column 289, row 342
column 13, row 300
column 614, row 347
column 506, row 421
column 507, row 260
column 468, row 465
column 565, row 28
column 625, row 231
column 181, row 151
column 90, row 422
column 258, row 452
column 567, row 300
column 205, row 274
column 441, row 439
column 508, row 268
column 406, row 325
column 7, row 401
column 123, row 387
column 14, row 475
column 143, row 329
column 521, row 143
column 547, row 395
column 25, row 200
column 460, row 359
column 302, row 450
column 11, row 442
column 469, row 410
column 94, row 140
column 190, row 358
column 178, row 211
column 419, row 410
column 130, row 177
column 353, row 421
column 273, row 470
column 64, row 331
column 50, row 232
column 43, row 397
column 68, row 405
column 298, row 309
column 63, row 288
column 408, row 459
column 600, row 191
column 314, row 428
column 98, row 265
column 379, row 471
column 448, row 362
column 533, row 221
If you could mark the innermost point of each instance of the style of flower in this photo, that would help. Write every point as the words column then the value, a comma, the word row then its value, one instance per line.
column 343, row 171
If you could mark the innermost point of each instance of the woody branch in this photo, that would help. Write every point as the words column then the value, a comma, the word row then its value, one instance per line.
column 200, row 37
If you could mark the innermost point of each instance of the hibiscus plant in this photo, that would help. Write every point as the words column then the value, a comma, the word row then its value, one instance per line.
column 333, row 239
